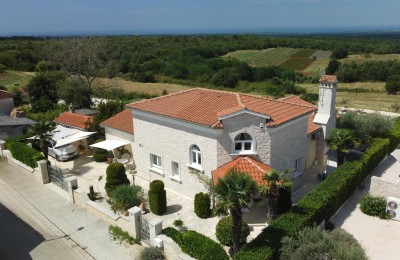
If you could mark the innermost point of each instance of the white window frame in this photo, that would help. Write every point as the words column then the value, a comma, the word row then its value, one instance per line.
column 297, row 165
column 243, row 144
column 175, row 175
column 195, row 156
column 155, row 161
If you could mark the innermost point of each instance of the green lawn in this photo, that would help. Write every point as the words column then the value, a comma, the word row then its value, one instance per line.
column 9, row 78
column 371, row 57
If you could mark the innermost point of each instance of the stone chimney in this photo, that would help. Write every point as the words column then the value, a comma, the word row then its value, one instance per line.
column 326, row 104
column 71, row 108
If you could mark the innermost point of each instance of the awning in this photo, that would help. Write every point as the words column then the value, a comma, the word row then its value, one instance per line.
column 73, row 138
column 109, row 144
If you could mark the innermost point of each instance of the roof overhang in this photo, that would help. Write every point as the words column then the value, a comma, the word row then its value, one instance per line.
column 243, row 111
column 109, row 144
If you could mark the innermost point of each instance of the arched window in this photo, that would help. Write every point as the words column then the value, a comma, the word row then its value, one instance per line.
column 243, row 143
column 195, row 155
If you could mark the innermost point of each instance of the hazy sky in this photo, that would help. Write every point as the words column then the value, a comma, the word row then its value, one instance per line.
column 74, row 16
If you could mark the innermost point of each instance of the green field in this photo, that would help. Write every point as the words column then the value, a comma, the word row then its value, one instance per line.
column 10, row 78
column 296, row 59
column 359, row 59
column 375, row 99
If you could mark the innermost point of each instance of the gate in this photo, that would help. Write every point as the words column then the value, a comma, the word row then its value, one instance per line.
column 57, row 176
column 144, row 230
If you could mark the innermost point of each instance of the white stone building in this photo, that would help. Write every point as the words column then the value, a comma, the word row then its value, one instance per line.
column 205, row 130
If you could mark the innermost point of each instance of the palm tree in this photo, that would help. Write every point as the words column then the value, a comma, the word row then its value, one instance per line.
column 234, row 191
column 43, row 134
column 341, row 140
column 271, row 191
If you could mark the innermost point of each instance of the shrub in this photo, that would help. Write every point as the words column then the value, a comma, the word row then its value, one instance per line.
column 152, row 253
column 224, row 231
column 172, row 233
column 23, row 153
column 202, row 204
column 313, row 243
column 124, row 197
column 117, row 233
column 116, row 176
column 200, row 247
column 157, row 197
column 374, row 206
column 100, row 155
column 318, row 205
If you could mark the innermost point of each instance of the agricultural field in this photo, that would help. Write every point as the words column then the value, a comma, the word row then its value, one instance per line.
column 10, row 78
column 301, row 60
column 374, row 98
column 150, row 88
column 362, row 58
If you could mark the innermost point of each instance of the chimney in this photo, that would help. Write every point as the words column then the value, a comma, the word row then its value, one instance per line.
column 17, row 112
column 71, row 108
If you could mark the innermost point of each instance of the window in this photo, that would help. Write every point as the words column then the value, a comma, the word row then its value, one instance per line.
column 243, row 143
column 195, row 155
column 175, row 170
column 297, row 167
column 155, row 161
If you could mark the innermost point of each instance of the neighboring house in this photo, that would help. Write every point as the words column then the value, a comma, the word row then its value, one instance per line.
column 73, row 120
column 15, row 125
column 6, row 102
column 120, row 127
column 12, row 121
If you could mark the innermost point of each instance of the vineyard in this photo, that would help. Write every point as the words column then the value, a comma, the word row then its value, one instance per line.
column 295, row 59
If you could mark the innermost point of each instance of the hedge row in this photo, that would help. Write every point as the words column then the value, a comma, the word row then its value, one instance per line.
column 24, row 153
column 197, row 245
column 322, row 202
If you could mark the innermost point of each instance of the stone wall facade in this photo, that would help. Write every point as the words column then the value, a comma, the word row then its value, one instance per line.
column 172, row 140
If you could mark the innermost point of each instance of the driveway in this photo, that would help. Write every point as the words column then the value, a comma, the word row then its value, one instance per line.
column 380, row 238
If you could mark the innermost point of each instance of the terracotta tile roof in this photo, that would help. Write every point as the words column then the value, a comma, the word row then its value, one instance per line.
column 204, row 106
column 245, row 164
column 5, row 94
column 72, row 119
column 312, row 127
column 297, row 100
column 328, row 78
column 122, row 121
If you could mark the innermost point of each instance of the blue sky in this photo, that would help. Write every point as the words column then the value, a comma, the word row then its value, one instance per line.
column 21, row 17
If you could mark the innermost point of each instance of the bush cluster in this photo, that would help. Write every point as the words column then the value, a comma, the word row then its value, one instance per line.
column 23, row 153
column 116, row 176
column 196, row 245
column 318, row 205
column 157, row 197
column 100, row 155
column 124, row 197
column 152, row 253
column 374, row 206
column 224, row 231
column 202, row 204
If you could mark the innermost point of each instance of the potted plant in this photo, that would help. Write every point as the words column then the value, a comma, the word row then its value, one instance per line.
column 110, row 157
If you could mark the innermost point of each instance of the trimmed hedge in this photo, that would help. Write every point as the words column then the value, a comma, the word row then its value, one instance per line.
column 157, row 197
column 116, row 176
column 100, row 155
column 374, row 206
column 197, row 245
column 319, row 204
column 223, row 231
column 202, row 205
column 24, row 153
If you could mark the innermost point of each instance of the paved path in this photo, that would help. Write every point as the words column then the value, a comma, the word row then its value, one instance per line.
column 53, row 217
column 380, row 238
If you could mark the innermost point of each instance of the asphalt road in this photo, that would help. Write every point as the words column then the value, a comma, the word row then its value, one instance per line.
column 25, row 233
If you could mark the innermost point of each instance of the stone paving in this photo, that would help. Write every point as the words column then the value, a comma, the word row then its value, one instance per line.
column 380, row 238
